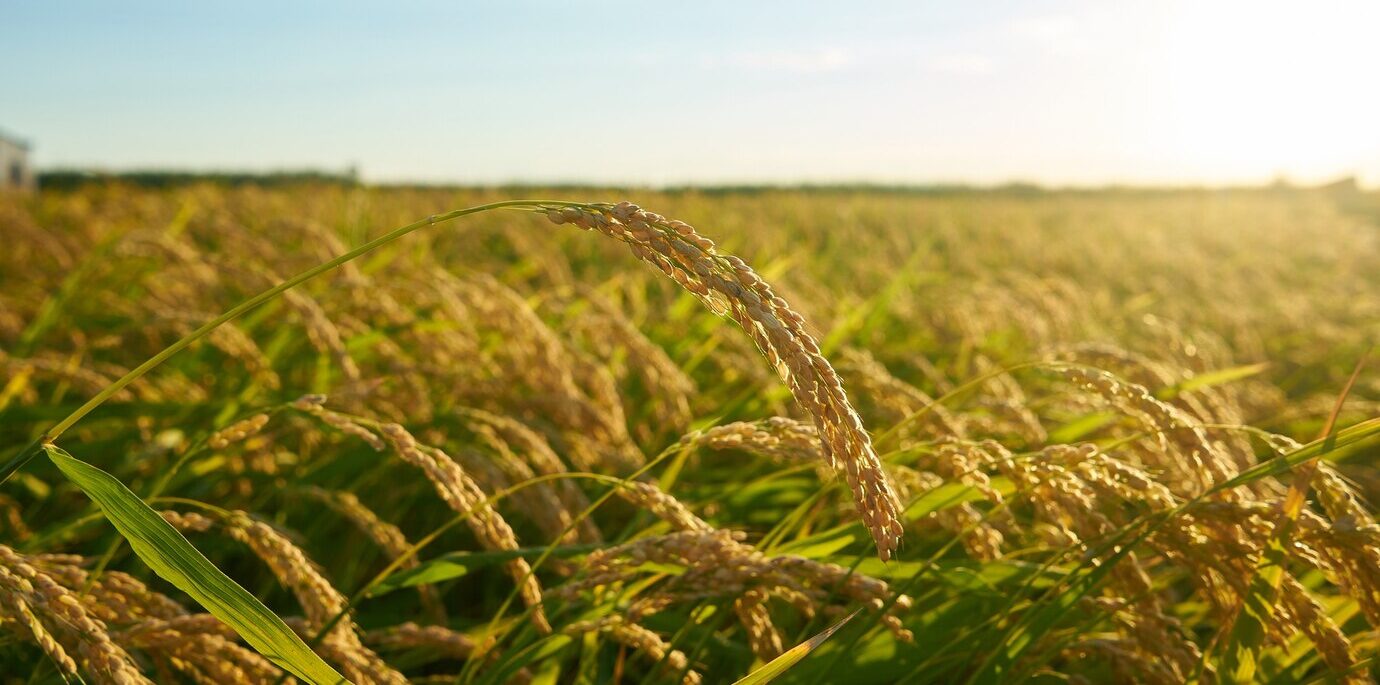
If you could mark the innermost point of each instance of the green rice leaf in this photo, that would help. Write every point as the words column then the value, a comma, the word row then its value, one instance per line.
column 1241, row 653
column 1322, row 448
column 458, row 564
column 1082, row 426
column 772, row 670
column 1211, row 378
column 174, row 559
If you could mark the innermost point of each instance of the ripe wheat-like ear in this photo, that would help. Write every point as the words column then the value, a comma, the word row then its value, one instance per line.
column 1073, row 465
column 729, row 287
column 725, row 283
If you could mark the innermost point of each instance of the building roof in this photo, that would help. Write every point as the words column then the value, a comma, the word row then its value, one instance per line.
column 12, row 140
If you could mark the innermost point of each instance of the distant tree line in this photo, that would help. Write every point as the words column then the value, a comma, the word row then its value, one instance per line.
column 59, row 179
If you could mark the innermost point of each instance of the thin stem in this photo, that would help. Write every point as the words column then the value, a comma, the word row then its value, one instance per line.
column 57, row 430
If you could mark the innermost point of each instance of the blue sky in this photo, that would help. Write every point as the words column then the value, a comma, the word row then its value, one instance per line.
column 707, row 92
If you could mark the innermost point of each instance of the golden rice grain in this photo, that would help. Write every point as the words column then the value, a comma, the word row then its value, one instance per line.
column 461, row 493
column 728, row 286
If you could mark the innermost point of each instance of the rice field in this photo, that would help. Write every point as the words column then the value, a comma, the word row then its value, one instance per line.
column 822, row 436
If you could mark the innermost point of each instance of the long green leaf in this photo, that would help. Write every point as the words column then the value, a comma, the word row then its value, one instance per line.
column 177, row 561
column 457, row 564
column 773, row 669
column 1241, row 653
column 1212, row 378
column 1318, row 448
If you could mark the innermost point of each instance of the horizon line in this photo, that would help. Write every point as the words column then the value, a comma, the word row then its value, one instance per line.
column 351, row 174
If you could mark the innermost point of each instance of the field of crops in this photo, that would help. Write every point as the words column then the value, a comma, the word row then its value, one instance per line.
column 986, row 436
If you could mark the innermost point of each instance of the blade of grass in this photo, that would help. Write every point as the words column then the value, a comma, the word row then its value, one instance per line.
column 174, row 559
column 773, row 669
column 1212, row 378
column 458, row 564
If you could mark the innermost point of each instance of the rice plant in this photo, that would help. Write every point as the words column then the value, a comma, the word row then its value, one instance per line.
column 266, row 435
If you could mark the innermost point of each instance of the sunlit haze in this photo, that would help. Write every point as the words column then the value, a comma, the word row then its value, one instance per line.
column 719, row 92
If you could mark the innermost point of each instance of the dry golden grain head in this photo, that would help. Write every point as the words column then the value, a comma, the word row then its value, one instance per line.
column 965, row 462
column 500, row 468
column 313, row 405
column 11, row 513
column 642, row 640
column 464, row 496
column 719, row 565
column 231, row 340
column 1309, row 617
column 387, row 536
column 535, row 375
column 564, row 386
column 982, row 540
column 1201, row 465
column 779, row 437
column 56, row 609
column 728, row 286
column 237, row 432
column 1129, row 664
column 201, row 647
column 663, row 504
column 320, row 600
column 620, row 345
column 70, row 369
column 15, row 605
column 410, row 635
column 112, row 596
column 322, row 332
column 1338, row 497
column 384, row 534
column 892, row 399
column 520, row 446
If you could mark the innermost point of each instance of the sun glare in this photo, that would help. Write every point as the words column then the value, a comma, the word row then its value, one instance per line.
column 1252, row 86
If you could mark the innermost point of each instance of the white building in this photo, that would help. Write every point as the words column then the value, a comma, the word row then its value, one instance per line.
column 15, row 172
